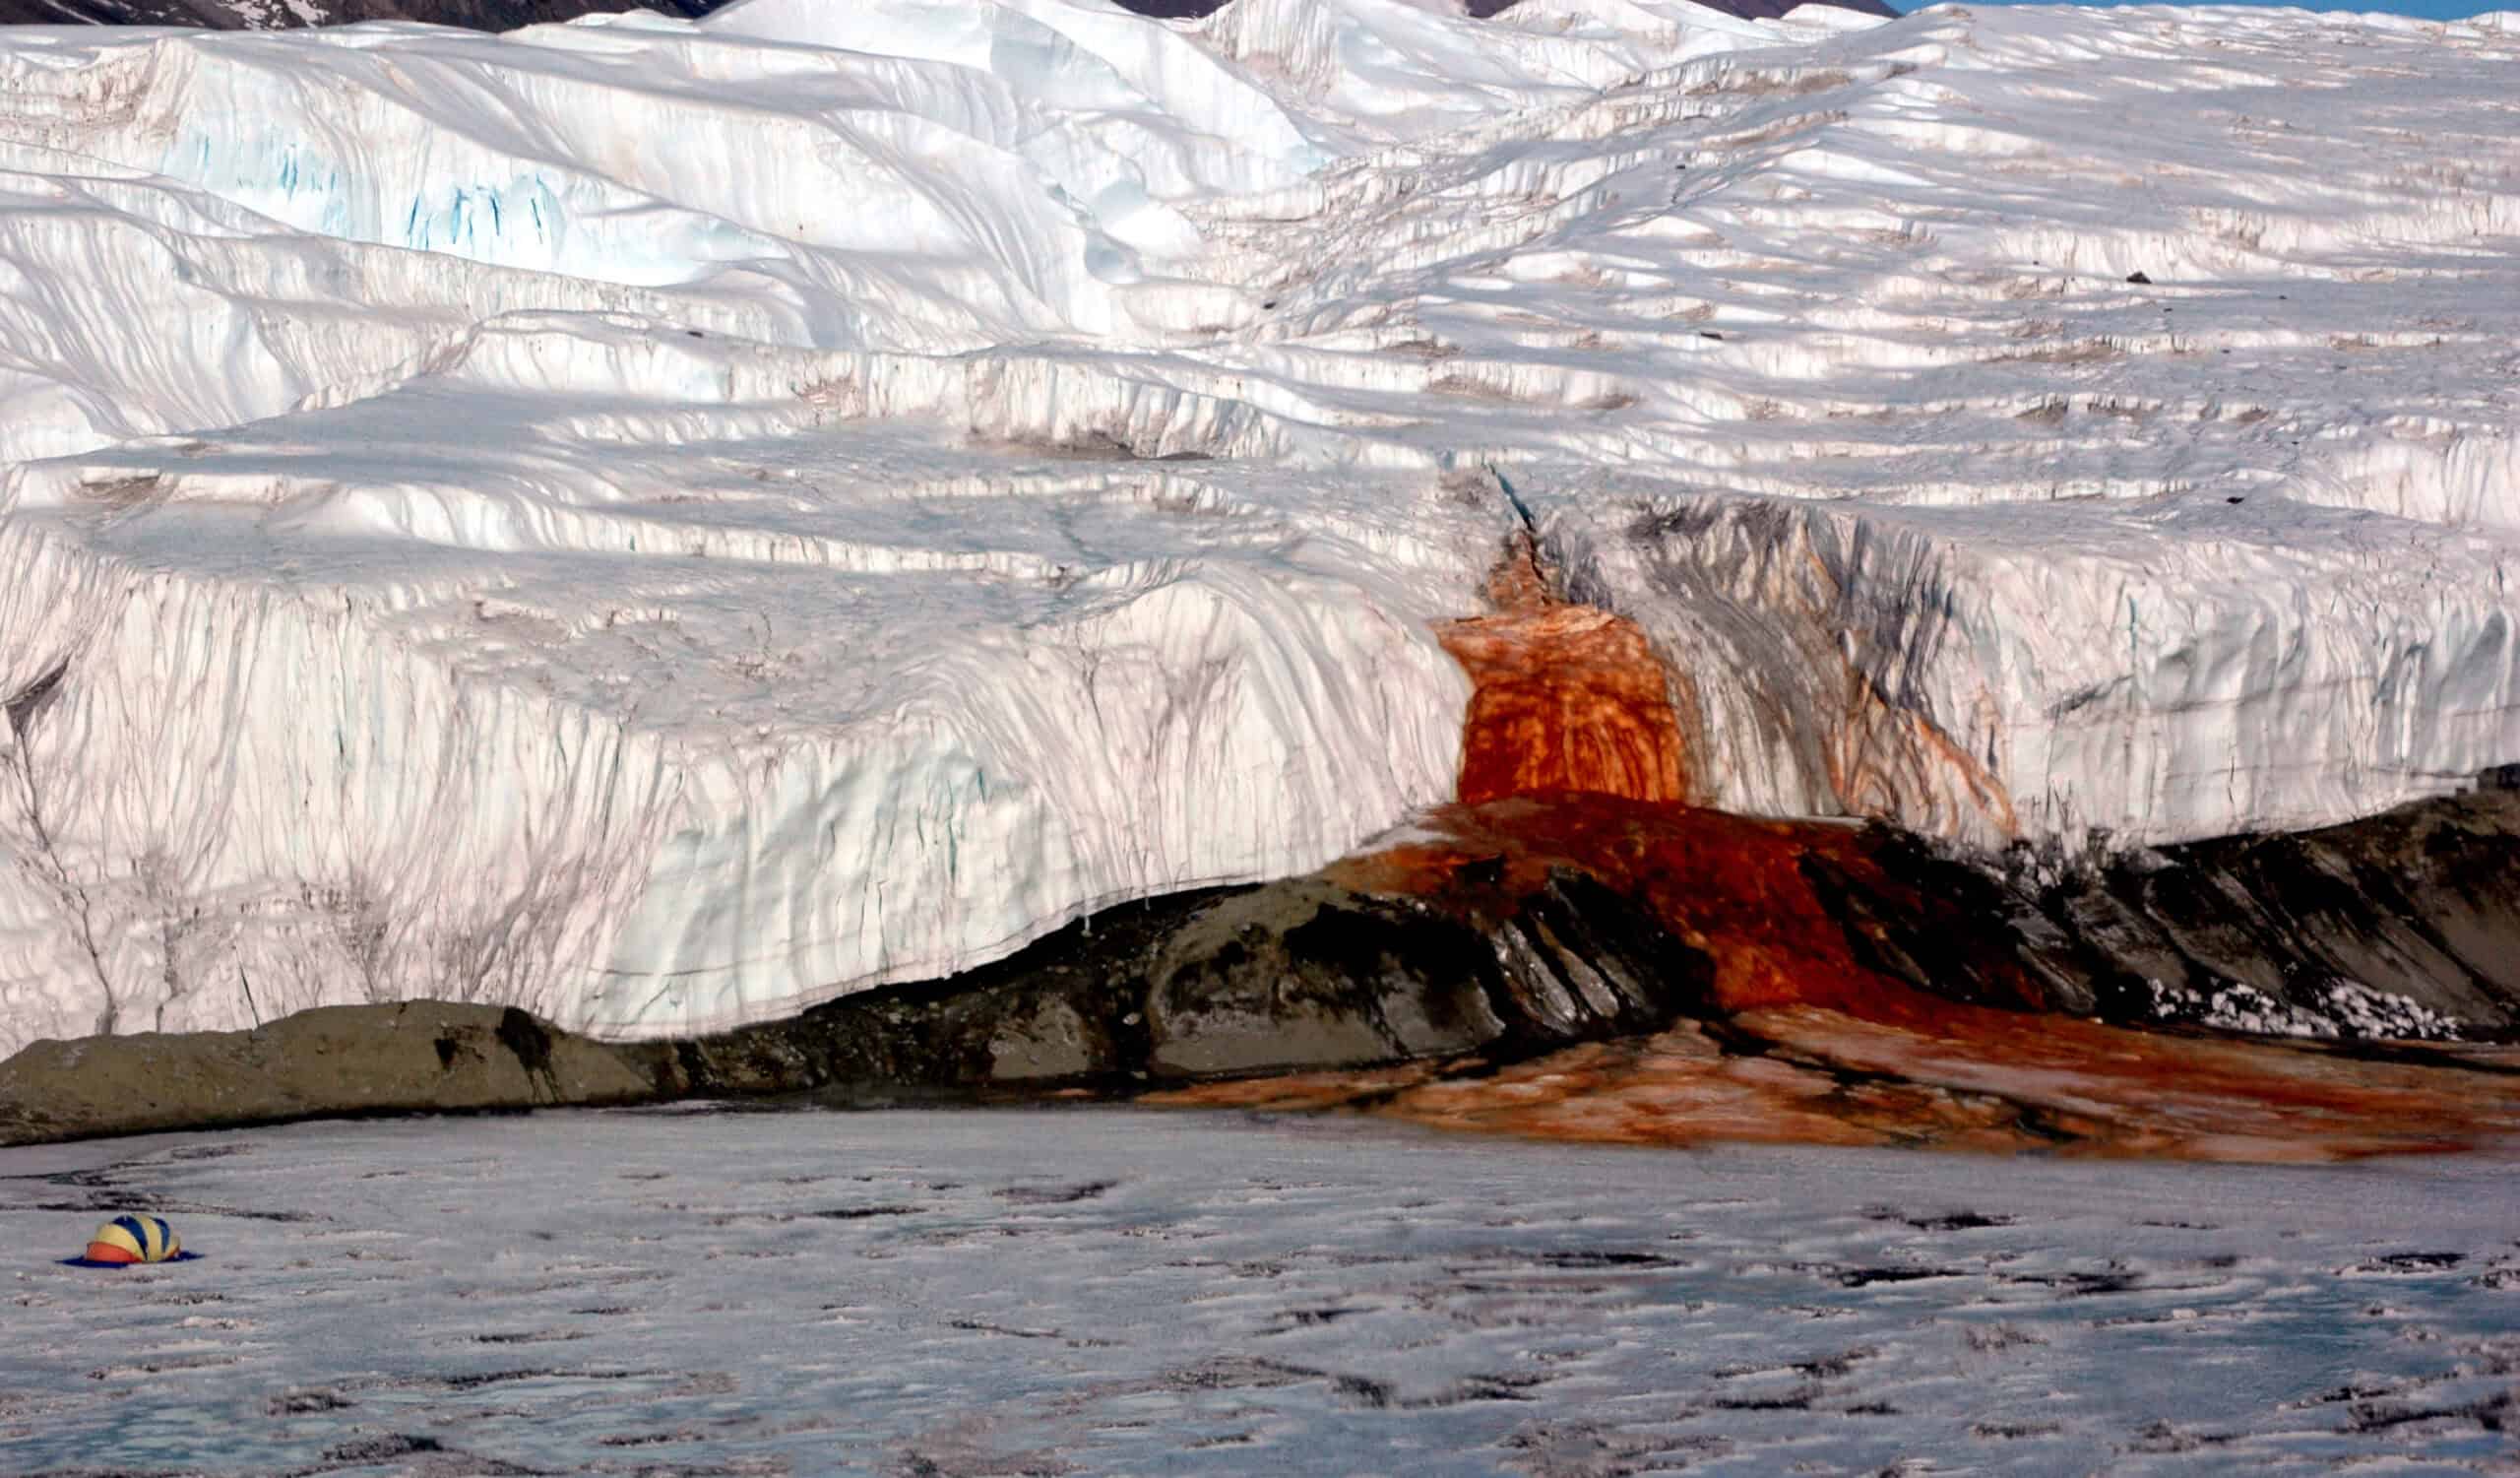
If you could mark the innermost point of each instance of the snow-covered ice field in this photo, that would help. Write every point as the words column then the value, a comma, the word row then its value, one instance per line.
column 1105, row 1291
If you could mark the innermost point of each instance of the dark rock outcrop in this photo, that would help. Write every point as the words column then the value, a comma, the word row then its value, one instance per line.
column 2422, row 902
column 1532, row 928
column 408, row 1057
column 1288, row 977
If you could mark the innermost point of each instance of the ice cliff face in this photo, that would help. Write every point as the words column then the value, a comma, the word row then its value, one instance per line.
column 666, row 523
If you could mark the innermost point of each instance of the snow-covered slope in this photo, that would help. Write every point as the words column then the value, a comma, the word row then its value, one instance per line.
column 666, row 523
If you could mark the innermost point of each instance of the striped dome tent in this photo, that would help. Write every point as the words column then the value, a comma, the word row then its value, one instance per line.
column 133, row 1238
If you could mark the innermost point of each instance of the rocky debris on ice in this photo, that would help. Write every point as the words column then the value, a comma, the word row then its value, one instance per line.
column 971, row 466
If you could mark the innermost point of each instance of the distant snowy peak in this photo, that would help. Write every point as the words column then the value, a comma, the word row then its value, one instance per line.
column 1481, row 10
column 1059, row 55
column 507, row 14
column 1373, row 73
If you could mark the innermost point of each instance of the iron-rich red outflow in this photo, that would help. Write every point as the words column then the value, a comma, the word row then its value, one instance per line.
column 1564, row 699
column 1573, row 759
column 1804, row 1042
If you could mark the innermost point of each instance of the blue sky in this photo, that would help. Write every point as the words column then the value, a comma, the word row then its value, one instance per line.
column 2430, row 10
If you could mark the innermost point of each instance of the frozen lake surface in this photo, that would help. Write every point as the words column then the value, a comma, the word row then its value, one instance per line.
column 1102, row 1290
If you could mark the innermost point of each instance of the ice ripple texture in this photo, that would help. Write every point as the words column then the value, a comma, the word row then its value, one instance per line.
column 666, row 523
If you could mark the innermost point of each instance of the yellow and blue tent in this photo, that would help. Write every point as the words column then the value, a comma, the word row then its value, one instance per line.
column 130, row 1239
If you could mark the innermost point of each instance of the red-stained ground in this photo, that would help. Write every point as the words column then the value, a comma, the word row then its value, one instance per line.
column 1573, row 759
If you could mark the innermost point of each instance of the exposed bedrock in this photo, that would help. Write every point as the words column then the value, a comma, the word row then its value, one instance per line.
column 1603, row 969
column 2422, row 902
column 1742, row 978
column 405, row 1058
column 1305, row 973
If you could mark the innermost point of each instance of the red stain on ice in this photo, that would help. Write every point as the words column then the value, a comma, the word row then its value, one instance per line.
column 1573, row 759
column 1564, row 699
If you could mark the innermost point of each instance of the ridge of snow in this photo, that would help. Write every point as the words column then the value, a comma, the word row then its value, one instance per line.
column 664, row 523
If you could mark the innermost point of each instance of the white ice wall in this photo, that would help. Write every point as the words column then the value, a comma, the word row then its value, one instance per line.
column 239, row 790
column 663, row 523
column 2150, row 670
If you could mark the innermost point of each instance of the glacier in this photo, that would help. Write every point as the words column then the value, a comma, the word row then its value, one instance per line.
column 666, row 523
